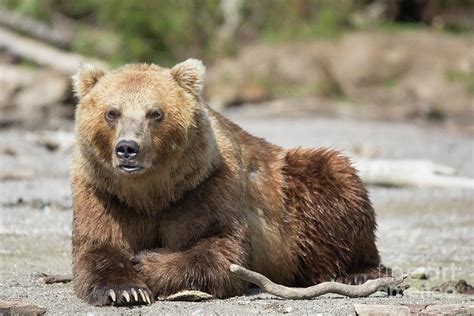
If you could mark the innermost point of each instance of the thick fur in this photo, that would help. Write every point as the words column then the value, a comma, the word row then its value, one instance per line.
column 212, row 195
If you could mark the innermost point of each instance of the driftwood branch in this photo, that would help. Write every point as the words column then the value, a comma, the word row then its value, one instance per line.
column 406, row 172
column 43, row 54
column 268, row 286
column 61, row 31
column 57, row 36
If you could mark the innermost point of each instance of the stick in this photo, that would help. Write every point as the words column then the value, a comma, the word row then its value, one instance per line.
column 268, row 286
column 43, row 54
column 56, row 278
column 18, row 174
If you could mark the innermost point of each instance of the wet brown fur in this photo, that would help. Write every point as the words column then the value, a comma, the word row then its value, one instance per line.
column 214, row 195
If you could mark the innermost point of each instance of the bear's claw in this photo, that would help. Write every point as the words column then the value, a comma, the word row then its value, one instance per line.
column 126, row 296
column 112, row 295
column 120, row 296
column 134, row 294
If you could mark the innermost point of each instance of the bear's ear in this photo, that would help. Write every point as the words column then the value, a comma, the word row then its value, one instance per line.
column 190, row 75
column 85, row 79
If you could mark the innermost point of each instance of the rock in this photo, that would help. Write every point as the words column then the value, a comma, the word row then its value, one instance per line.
column 392, row 71
column 288, row 309
column 362, row 61
column 451, row 309
column 369, row 310
column 252, row 93
column 461, row 287
column 47, row 89
column 29, row 88
column 365, row 151
column 5, row 151
column 20, row 308
column 12, row 79
column 54, row 140
column 420, row 273
column 264, row 72
column 198, row 312
column 29, row 95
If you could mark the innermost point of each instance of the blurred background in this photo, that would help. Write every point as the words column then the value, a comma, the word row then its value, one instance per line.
column 391, row 60
column 380, row 80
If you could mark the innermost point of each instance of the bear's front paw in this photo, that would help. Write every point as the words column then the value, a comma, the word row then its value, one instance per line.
column 146, row 261
column 139, row 257
column 159, row 273
column 141, row 263
column 120, row 295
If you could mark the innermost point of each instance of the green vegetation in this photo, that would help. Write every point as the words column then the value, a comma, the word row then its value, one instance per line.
column 466, row 77
column 149, row 31
column 165, row 31
column 36, row 9
column 280, row 20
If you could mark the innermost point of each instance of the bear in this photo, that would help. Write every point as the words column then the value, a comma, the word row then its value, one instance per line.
column 168, row 193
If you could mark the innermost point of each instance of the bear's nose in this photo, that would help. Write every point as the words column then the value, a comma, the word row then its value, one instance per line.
column 127, row 149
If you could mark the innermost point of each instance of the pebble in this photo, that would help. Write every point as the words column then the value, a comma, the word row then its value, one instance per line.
column 420, row 273
column 289, row 309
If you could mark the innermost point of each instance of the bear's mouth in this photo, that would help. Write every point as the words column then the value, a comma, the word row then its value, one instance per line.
column 130, row 168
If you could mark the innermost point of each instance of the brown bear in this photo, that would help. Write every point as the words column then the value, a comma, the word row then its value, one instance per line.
column 168, row 193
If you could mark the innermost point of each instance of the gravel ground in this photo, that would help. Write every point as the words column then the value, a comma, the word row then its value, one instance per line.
column 418, row 227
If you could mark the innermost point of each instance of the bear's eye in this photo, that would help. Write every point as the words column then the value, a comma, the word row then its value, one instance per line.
column 155, row 115
column 112, row 115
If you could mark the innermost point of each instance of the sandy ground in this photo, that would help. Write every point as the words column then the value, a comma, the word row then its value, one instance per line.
column 430, row 228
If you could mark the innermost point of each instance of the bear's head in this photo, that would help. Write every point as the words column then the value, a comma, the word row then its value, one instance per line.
column 139, row 116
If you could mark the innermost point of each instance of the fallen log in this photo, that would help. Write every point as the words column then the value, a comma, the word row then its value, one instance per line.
column 16, row 174
column 384, row 172
column 352, row 291
column 61, row 37
column 61, row 31
column 416, row 173
column 43, row 54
